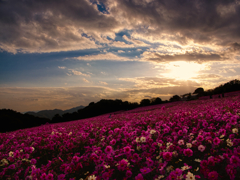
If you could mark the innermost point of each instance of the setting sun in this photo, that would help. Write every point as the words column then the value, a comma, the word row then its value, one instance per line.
column 183, row 70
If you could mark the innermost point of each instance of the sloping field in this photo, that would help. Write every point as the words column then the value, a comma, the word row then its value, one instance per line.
column 180, row 140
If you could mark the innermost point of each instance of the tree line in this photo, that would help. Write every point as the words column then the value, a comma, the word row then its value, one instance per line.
column 11, row 120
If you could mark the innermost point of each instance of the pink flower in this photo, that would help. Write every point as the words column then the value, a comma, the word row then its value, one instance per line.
column 122, row 165
column 180, row 132
column 50, row 177
column 200, row 138
column 235, row 161
column 201, row 148
column 113, row 142
column 128, row 173
column 75, row 159
column 139, row 177
column 127, row 149
column 61, row 177
column 145, row 170
column 106, row 175
column 33, row 161
column 213, row 175
column 187, row 152
column 216, row 141
column 108, row 149
column 167, row 156
column 181, row 142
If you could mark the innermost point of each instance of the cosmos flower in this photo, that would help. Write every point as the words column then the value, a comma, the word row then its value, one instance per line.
column 187, row 152
column 167, row 156
column 108, row 149
column 201, row 148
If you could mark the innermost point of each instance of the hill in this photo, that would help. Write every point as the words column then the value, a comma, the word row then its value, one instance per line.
column 51, row 113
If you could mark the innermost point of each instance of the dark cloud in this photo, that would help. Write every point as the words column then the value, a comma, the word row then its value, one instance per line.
column 50, row 25
column 196, row 57
column 202, row 21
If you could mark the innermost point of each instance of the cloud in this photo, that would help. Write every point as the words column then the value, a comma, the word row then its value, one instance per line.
column 158, row 82
column 121, row 51
column 78, row 73
column 104, row 83
column 61, row 67
column 199, row 57
column 207, row 76
column 51, row 26
column 85, row 80
column 107, row 56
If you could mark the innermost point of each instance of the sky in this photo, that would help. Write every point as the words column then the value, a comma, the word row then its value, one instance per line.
column 66, row 53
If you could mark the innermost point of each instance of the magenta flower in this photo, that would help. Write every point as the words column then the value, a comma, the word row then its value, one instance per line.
column 235, row 161
column 61, row 177
column 187, row 152
column 145, row 170
column 180, row 132
column 49, row 176
column 122, row 165
column 33, row 161
column 113, row 142
column 213, row 175
column 139, row 177
column 108, row 149
column 216, row 141
column 12, row 166
column 128, row 173
column 127, row 149
column 149, row 162
column 200, row 138
column 106, row 175
column 167, row 156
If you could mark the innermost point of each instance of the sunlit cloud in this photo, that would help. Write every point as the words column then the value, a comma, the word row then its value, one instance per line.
column 78, row 73
column 102, row 82
column 107, row 56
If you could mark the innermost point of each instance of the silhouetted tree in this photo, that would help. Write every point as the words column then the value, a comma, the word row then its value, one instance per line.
column 145, row 102
column 199, row 91
column 175, row 98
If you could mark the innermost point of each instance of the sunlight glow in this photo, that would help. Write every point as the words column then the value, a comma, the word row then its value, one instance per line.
column 183, row 70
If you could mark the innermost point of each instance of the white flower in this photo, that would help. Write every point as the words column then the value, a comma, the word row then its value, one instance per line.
column 229, row 142
column 189, row 145
column 53, row 133
column 138, row 140
column 169, row 168
column 93, row 177
column 159, row 144
column 138, row 148
column 185, row 168
column 143, row 139
column 159, row 177
column 10, row 154
column 197, row 160
column 190, row 176
column 70, row 133
column 222, row 136
column 107, row 166
column 157, row 157
column 152, row 131
column 235, row 130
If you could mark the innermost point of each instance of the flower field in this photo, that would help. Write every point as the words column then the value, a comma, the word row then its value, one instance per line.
column 181, row 140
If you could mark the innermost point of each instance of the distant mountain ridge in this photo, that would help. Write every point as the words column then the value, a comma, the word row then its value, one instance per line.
column 51, row 113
